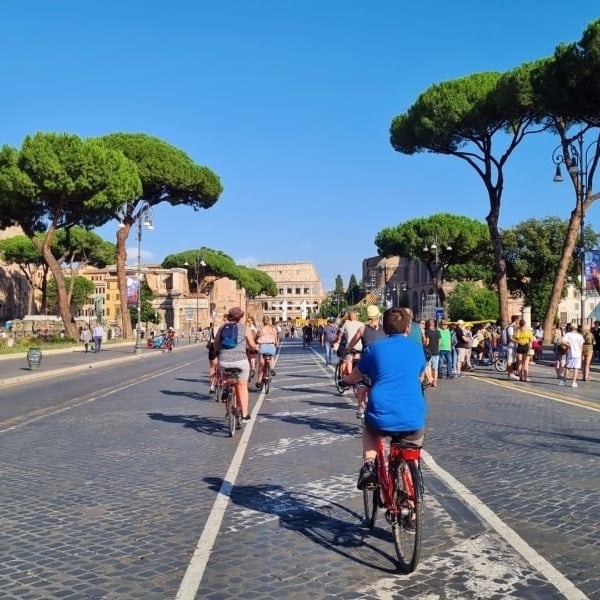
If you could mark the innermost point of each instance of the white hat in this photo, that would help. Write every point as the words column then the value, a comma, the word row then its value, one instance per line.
column 460, row 322
column 373, row 312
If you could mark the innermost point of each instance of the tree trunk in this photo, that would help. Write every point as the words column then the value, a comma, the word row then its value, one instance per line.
column 64, row 307
column 561, row 274
column 122, row 235
column 499, row 262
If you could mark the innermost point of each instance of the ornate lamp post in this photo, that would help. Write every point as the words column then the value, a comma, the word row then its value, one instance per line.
column 436, row 264
column 142, row 214
column 581, row 163
column 198, row 263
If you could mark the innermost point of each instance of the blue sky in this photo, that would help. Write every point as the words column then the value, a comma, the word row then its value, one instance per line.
column 290, row 103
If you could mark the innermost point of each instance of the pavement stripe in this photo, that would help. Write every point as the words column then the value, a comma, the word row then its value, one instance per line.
column 538, row 562
column 556, row 396
column 37, row 415
column 199, row 560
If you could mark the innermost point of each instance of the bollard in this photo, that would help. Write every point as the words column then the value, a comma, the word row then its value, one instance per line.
column 34, row 358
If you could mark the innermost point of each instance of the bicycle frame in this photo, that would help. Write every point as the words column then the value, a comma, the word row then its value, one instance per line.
column 227, row 380
column 400, row 491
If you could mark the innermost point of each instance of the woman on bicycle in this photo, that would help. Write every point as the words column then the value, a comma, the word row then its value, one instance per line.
column 395, row 367
column 236, row 358
column 268, row 340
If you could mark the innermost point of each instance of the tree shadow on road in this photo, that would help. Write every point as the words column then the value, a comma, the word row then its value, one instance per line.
column 325, row 522
column 202, row 424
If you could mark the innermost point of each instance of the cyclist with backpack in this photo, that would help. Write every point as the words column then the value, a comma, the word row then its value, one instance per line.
column 230, row 343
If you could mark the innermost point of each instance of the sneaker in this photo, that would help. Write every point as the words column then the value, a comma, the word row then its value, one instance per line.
column 574, row 384
column 360, row 413
column 212, row 389
column 514, row 377
column 561, row 382
column 246, row 418
column 367, row 477
column 273, row 373
column 258, row 385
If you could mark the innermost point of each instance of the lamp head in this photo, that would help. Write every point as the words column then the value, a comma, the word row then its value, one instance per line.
column 557, row 175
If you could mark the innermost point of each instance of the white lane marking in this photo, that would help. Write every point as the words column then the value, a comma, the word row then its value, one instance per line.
column 493, row 571
column 538, row 562
column 283, row 445
column 199, row 560
column 540, row 394
column 317, row 410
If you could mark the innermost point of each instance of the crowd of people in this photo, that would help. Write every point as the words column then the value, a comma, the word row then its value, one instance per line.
column 393, row 358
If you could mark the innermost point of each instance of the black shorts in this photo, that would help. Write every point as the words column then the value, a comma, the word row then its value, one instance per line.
column 212, row 353
column 409, row 437
column 523, row 349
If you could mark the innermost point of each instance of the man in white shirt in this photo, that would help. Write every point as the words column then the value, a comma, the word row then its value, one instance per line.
column 98, row 334
column 574, row 340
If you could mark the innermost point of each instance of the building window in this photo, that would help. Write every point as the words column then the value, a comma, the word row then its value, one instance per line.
column 289, row 291
column 281, row 291
column 297, row 291
column 306, row 291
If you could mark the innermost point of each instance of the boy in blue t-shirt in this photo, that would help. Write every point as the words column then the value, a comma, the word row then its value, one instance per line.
column 395, row 366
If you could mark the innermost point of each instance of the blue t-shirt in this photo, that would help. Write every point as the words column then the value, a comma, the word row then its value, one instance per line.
column 396, row 402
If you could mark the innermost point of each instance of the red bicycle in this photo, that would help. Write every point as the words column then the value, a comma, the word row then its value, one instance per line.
column 266, row 372
column 225, row 391
column 400, row 491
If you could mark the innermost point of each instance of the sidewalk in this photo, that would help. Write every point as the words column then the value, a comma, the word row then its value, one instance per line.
column 14, row 368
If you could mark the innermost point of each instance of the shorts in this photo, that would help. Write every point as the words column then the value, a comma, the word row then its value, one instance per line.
column 415, row 437
column 511, row 354
column 212, row 353
column 434, row 361
column 243, row 365
column 267, row 349
column 353, row 355
column 463, row 354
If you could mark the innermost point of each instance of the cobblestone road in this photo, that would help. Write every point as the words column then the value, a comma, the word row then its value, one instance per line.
column 107, row 495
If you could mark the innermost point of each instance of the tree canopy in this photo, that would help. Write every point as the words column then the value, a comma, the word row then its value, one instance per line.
column 465, row 118
column 59, row 180
column 219, row 264
column 167, row 174
column 461, row 246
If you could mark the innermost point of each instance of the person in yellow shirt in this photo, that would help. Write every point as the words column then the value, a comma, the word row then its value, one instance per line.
column 523, row 337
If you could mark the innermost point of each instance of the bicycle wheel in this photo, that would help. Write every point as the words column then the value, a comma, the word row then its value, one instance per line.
column 407, row 529
column 267, row 378
column 338, row 378
column 500, row 364
column 230, row 411
column 218, row 390
column 371, row 504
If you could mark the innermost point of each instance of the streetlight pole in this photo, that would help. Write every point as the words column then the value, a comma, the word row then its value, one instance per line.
column 143, row 215
column 437, row 265
column 198, row 262
column 572, row 154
